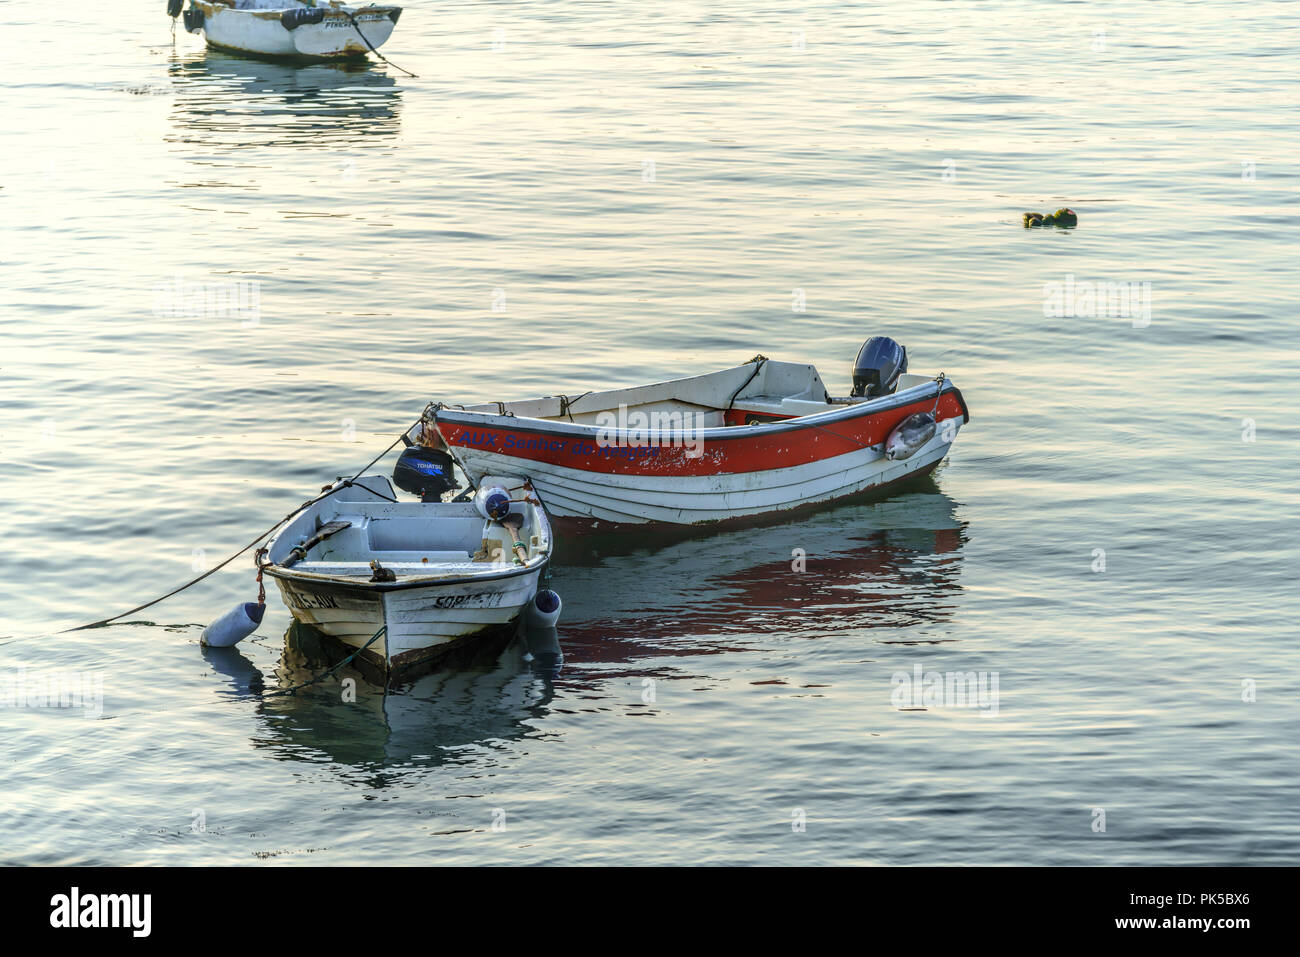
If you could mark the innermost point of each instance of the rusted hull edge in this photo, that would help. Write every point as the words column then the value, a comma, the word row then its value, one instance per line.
column 290, row 57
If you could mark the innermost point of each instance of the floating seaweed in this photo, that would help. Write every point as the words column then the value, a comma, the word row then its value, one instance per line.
column 1062, row 217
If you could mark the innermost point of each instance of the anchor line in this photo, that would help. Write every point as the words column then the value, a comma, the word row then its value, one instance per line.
column 260, row 566
column 325, row 674
column 759, row 361
column 528, row 484
column 326, row 492
column 939, row 394
column 353, row 21
column 566, row 404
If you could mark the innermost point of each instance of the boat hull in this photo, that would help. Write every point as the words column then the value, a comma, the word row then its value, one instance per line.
column 584, row 501
column 442, row 595
column 260, row 32
column 737, row 474
column 425, row 622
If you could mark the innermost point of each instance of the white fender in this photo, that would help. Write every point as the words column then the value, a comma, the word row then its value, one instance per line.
column 544, row 610
column 234, row 626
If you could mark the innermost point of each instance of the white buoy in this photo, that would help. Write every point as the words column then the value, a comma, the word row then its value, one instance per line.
column 234, row 626
column 544, row 610
column 492, row 502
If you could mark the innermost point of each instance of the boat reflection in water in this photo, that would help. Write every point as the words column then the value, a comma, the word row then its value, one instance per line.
column 891, row 568
column 433, row 720
column 225, row 100
column 885, row 572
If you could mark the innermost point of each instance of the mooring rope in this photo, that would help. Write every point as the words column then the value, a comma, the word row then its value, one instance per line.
column 938, row 395
column 326, row 492
column 325, row 674
column 759, row 361
column 353, row 21
column 566, row 404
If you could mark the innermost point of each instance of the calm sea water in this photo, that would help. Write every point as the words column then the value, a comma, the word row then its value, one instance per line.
column 576, row 195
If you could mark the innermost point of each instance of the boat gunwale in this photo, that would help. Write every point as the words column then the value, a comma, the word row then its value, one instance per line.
column 835, row 414
column 288, row 574
column 264, row 13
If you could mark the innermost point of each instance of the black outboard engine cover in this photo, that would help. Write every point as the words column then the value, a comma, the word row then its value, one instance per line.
column 880, row 362
column 174, row 8
column 424, row 472
column 193, row 19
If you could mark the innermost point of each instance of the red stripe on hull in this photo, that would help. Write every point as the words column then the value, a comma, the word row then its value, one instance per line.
column 741, row 452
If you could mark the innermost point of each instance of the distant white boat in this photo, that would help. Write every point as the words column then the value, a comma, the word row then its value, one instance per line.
column 437, row 574
column 287, row 28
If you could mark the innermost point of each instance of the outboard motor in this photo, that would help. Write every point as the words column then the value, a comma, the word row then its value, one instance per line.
column 424, row 472
column 880, row 362
column 174, row 8
column 193, row 19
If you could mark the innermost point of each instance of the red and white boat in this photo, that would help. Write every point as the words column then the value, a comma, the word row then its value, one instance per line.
column 764, row 437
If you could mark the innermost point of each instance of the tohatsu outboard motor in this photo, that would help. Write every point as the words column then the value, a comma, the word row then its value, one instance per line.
column 424, row 472
column 880, row 362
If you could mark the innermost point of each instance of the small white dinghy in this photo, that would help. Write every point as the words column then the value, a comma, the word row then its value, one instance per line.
column 288, row 28
column 439, row 575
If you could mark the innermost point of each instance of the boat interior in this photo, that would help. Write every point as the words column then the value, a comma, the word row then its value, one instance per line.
column 300, row 5
column 279, row 5
column 264, row 4
column 411, row 539
column 755, row 392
